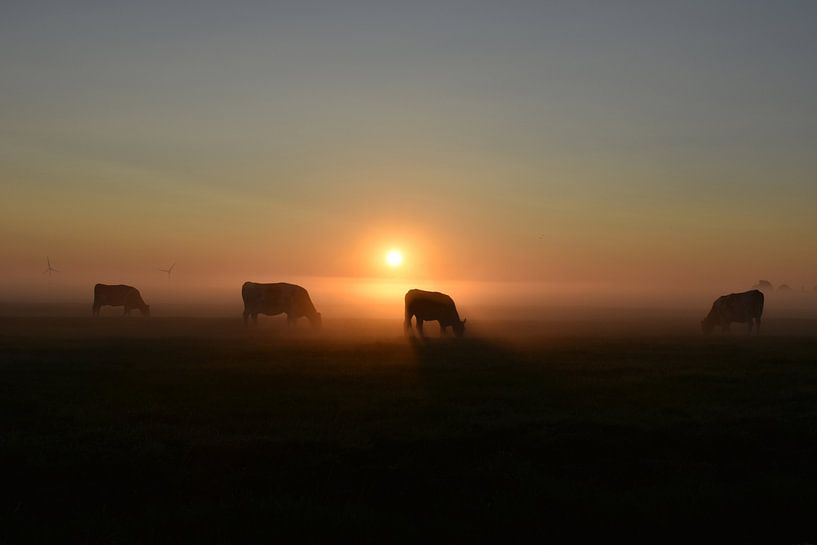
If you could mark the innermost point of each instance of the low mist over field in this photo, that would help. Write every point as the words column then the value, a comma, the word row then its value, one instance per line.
column 382, row 298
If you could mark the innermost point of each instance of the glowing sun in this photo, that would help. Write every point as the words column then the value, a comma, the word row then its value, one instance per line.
column 394, row 258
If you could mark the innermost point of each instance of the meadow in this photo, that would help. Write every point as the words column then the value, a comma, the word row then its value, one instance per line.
column 176, row 430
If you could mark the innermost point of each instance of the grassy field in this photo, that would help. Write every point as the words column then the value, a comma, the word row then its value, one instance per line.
column 174, row 430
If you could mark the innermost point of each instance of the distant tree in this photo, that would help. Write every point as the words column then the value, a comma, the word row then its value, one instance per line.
column 764, row 285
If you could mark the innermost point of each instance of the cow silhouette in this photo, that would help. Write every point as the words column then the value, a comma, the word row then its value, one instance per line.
column 746, row 307
column 432, row 306
column 278, row 298
column 119, row 295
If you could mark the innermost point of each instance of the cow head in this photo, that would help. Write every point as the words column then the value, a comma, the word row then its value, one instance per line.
column 459, row 328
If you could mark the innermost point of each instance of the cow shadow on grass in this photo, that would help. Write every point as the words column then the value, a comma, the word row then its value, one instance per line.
column 460, row 353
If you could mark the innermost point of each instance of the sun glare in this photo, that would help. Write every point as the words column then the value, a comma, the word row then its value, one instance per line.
column 394, row 258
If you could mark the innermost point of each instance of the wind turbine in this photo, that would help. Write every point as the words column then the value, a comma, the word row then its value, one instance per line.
column 50, row 269
column 168, row 270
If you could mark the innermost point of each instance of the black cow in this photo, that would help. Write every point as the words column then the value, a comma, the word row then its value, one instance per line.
column 746, row 307
column 278, row 298
column 429, row 306
column 119, row 295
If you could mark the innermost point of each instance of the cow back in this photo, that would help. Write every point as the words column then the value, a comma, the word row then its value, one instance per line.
column 277, row 298
column 431, row 305
column 737, row 307
column 116, row 295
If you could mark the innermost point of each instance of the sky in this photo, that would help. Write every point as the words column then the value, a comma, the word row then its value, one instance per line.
column 576, row 146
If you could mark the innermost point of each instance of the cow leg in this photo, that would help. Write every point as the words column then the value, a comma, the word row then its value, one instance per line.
column 245, row 315
column 407, row 324
column 290, row 320
column 750, row 326
column 255, row 318
column 95, row 310
column 420, row 327
column 126, row 312
column 442, row 330
column 757, row 326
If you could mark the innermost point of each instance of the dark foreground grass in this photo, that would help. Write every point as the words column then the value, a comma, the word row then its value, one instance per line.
column 174, row 435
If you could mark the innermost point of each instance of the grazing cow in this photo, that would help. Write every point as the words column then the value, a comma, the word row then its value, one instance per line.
column 119, row 296
column 432, row 305
column 746, row 307
column 278, row 298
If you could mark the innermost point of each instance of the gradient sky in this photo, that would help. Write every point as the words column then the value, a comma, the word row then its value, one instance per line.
column 621, row 143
